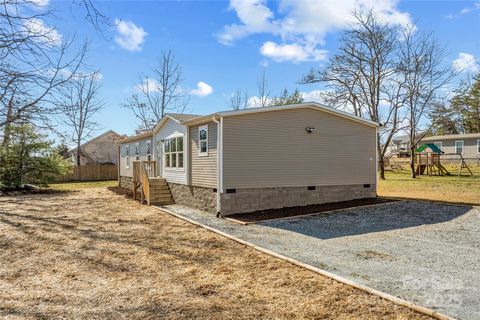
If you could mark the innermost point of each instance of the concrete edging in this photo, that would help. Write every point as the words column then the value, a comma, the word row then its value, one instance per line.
column 381, row 294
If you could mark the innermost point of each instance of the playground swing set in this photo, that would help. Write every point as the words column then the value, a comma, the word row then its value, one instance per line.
column 429, row 161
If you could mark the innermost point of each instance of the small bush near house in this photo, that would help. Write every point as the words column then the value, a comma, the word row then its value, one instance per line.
column 28, row 157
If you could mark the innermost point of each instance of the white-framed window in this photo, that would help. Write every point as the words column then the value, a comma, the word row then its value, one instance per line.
column 127, row 156
column 438, row 144
column 203, row 140
column 478, row 146
column 137, row 151
column 459, row 146
column 173, row 150
column 149, row 150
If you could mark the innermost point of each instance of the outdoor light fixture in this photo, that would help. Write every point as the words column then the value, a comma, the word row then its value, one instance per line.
column 310, row 129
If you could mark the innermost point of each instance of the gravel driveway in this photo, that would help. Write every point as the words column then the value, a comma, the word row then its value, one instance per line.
column 423, row 252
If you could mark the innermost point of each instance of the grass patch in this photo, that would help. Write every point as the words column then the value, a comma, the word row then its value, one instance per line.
column 464, row 189
column 71, row 186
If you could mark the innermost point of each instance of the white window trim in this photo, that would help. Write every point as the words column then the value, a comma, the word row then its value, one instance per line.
column 441, row 144
column 182, row 169
column 463, row 146
column 202, row 154
column 478, row 146
column 137, row 147
column 127, row 157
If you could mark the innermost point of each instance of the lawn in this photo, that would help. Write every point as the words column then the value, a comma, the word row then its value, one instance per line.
column 71, row 186
column 94, row 254
column 464, row 189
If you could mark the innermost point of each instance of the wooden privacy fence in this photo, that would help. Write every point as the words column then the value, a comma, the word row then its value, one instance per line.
column 91, row 173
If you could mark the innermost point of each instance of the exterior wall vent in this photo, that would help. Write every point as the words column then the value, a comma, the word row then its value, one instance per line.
column 366, row 185
column 311, row 188
column 231, row 191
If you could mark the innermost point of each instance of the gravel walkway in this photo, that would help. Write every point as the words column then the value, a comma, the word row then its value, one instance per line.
column 423, row 252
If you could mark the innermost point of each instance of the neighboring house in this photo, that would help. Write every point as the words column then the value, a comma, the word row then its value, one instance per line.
column 99, row 150
column 260, row 158
column 468, row 145
column 399, row 146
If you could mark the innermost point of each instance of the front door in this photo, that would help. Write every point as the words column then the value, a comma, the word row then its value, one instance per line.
column 159, row 159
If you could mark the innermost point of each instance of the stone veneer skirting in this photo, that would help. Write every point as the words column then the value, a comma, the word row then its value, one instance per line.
column 255, row 199
column 126, row 182
column 250, row 200
column 201, row 198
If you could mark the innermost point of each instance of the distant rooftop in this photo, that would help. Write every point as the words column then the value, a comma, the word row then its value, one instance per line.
column 453, row 136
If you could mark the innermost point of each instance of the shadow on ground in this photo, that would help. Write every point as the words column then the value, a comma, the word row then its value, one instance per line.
column 358, row 221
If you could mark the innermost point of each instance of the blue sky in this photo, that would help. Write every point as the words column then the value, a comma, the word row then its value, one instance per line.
column 227, row 45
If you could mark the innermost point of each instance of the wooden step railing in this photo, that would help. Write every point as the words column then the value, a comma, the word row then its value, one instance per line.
column 142, row 171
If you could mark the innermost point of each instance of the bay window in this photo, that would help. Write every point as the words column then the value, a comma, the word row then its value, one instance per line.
column 173, row 150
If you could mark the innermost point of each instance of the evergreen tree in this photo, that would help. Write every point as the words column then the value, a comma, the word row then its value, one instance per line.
column 287, row 98
column 28, row 157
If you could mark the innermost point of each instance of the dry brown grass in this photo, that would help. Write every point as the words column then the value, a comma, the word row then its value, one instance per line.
column 92, row 254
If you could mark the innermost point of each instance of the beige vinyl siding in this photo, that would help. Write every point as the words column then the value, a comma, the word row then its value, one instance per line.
column 272, row 149
column 128, row 172
column 448, row 146
column 204, row 168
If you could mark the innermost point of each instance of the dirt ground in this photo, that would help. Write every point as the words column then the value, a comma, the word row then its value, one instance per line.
column 97, row 255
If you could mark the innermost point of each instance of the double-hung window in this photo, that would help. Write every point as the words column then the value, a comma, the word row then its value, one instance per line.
column 173, row 152
column 137, row 151
column 459, row 147
column 478, row 146
column 149, row 150
column 127, row 156
column 203, row 140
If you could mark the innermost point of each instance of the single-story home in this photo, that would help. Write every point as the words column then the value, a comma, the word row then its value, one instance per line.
column 255, row 159
column 468, row 145
column 99, row 150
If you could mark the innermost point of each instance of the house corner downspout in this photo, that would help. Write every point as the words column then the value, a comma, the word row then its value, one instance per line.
column 219, row 163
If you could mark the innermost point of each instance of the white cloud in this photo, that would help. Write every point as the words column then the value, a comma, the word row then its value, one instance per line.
column 203, row 89
column 255, row 17
column 256, row 102
column 130, row 36
column 303, row 24
column 148, row 85
column 42, row 33
column 40, row 3
column 291, row 52
column 466, row 62
column 314, row 95
column 466, row 10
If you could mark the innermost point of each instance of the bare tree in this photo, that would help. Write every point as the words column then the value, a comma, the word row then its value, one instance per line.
column 359, row 77
column 34, row 61
column 159, row 94
column 263, row 91
column 79, row 103
column 422, row 75
column 238, row 100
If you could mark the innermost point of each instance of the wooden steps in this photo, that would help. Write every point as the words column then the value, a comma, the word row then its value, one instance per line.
column 159, row 191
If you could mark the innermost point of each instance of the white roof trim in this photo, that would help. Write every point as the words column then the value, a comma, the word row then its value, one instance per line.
column 313, row 105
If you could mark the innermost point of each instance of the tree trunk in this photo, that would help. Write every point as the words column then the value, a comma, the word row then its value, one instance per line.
column 412, row 163
column 8, row 126
column 78, row 152
column 381, row 168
